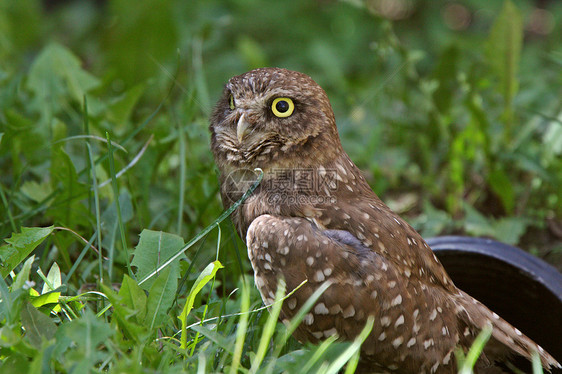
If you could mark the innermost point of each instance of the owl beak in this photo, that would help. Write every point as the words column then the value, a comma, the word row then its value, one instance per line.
column 242, row 128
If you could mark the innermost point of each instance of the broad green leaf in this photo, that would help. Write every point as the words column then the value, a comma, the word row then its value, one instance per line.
column 55, row 75
column 552, row 139
column 215, row 337
column 119, row 111
column 23, row 275
column 502, row 187
column 432, row 221
column 133, row 296
column 38, row 326
column 67, row 208
column 36, row 191
column 153, row 250
column 160, row 298
column 504, row 48
column 446, row 75
column 476, row 224
column 44, row 299
column 125, row 317
column 52, row 282
column 54, row 279
column 11, row 304
column 20, row 246
column 23, row 139
column 510, row 229
column 206, row 275
column 88, row 332
column 15, row 363
column 110, row 221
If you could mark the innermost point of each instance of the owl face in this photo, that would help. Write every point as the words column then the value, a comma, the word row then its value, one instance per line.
column 266, row 115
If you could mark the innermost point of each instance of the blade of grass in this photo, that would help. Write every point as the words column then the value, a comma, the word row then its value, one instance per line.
column 206, row 275
column 467, row 363
column 353, row 349
column 87, row 151
column 198, row 67
column 251, row 311
column 88, row 136
column 196, row 339
column 181, row 141
column 137, row 129
column 537, row 365
column 241, row 329
column 318, row 353
column 207, row 229
column 296, row 321
column 97, row 209
column 184, row 278
column 8, row 210
column 119, row 218
column 269, row 327
column 79, row 259
column 130, row 164
column 352, row 363
column 236, row 251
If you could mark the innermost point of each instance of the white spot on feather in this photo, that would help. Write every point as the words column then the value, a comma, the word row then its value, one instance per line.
column 349, row 312
column 319, row 276
column 397, row 342
column 318, row 334
column 396, row 301
column 330, row 332
column 433, row 315
column 320, row 309
column 292, row 303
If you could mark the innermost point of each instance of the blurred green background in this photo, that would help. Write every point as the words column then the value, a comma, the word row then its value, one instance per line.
column 453, row 113
column 452, row 109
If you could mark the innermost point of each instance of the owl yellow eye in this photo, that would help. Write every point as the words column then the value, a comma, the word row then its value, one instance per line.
column 282, row 107
column 231, row 102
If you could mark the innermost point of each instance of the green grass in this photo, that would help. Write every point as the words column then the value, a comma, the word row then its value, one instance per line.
column 111, row 227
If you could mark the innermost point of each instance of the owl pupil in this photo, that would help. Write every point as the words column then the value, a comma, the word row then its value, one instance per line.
column 282, row 106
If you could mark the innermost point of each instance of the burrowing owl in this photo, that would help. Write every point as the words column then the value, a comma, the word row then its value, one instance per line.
column 315, row 218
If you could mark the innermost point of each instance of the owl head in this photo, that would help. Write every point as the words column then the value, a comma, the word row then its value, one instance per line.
column 272, row 117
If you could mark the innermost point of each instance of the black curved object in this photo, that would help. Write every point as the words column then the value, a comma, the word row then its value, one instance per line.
column 523, row 289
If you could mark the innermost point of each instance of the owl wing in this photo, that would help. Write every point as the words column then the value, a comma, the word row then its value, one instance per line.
column 363, row 283
column 381, row 230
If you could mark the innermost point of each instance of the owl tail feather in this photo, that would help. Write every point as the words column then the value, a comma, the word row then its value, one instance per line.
column 506, row 340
